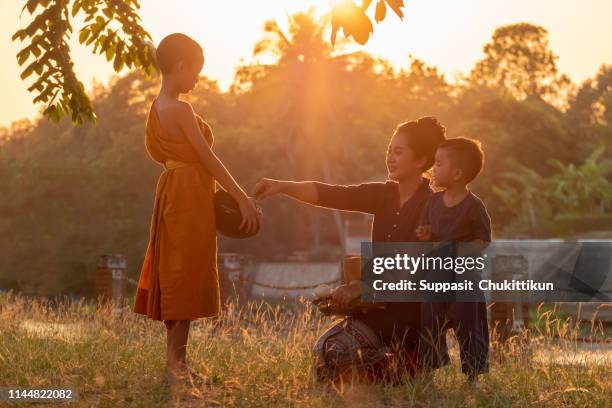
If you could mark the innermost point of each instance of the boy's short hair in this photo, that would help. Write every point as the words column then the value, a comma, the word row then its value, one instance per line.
column 466, row 154
column 177, row 47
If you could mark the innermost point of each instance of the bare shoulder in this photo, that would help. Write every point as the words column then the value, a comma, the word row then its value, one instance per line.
column 174, row 115
column 184, row 116
column 173, row 108
column 181, row 110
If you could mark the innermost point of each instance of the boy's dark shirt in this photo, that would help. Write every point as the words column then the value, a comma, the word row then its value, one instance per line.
column 464, row 222
column 391, row 224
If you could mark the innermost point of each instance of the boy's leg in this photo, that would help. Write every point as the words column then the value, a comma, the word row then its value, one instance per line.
column 472, row 331
column 177, row 335
column 434, row 325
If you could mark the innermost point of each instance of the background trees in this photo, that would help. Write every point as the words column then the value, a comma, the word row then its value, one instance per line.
column 518, row 61
column 571, row 195
column 300, row 109
column 113, row 28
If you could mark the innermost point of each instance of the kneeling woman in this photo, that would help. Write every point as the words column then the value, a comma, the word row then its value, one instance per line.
column 396, row 205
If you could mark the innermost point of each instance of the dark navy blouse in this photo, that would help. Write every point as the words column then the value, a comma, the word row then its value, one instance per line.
column 392, row 223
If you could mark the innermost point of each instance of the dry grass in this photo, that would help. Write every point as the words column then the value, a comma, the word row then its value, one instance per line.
column 262, row 357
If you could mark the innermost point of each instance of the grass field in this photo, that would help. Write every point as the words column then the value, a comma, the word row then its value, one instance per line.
column 261, row 357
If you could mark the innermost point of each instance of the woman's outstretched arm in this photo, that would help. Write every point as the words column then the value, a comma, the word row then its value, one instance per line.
column 304, row 191
column 363, row 197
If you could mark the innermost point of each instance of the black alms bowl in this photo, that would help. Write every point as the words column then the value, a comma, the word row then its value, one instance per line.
column 228, row 216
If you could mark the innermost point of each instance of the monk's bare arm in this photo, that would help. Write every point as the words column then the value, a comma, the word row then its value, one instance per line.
column 188, row 124
column 304, row 191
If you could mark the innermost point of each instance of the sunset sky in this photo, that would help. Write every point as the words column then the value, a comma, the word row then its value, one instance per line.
column 447, row 33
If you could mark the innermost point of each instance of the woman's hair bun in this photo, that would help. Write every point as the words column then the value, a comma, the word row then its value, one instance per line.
column 424, row 135
column 431, row 123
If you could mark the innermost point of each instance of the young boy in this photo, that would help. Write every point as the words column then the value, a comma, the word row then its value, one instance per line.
column 179, row 281
column 456, row 215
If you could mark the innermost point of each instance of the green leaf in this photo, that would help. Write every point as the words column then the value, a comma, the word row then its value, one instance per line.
column 19, row 35
column 53, row 113
column 129, row 61
column 91, row 39
column 396, row 6
column 23, row 55
column 28, row 71
column 381, row 11
column 83, row 35
column 362, row 29
column 38, row 68
column 44, row 96
column 110, row 53
column 76, row 6
column 31, row 5
column 107, row 40
column 118, row 63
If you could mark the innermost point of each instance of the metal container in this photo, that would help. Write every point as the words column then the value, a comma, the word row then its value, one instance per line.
column 351, row 269
column 232, row 277
column 111, row 279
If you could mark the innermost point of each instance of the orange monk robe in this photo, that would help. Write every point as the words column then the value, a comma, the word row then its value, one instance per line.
column 179, row 279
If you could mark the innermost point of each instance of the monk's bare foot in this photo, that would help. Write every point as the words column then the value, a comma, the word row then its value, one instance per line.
column 176, row 375
column 186, row 376
column 174, row 378
column 197, row 378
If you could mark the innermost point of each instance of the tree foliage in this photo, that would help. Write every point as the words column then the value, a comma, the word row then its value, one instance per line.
column 572, row 190
column 113, row 28
column 354, row 21
column 519, row 61
column 593, row 101
column 312, row 111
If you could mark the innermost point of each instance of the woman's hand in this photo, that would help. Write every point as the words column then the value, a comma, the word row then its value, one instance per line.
column 423, row 232
column 251, row 216
column 267, row 187
column 345, row 294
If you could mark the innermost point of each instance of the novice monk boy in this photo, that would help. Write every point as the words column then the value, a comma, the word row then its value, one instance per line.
column 178, row 281
column 456, row 215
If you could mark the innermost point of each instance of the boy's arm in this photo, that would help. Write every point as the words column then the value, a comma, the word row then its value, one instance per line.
column 481, row 225
column 188, row 124
column 423, row 230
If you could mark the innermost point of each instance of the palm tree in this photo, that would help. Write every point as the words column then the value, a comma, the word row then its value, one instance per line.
column 306, row 90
